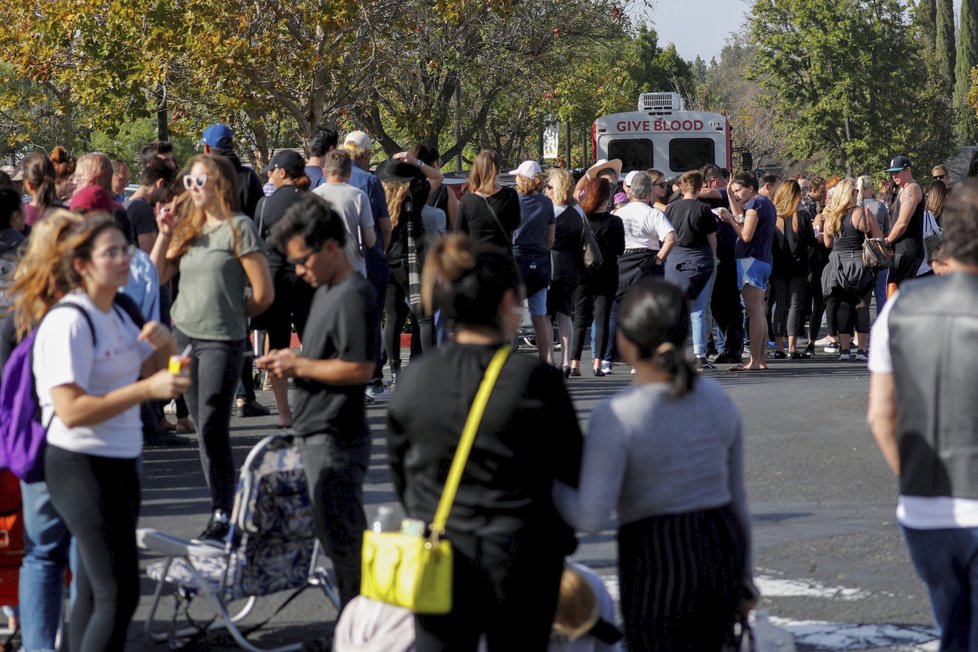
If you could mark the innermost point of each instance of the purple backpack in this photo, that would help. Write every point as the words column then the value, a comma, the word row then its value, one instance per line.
column 23, row 436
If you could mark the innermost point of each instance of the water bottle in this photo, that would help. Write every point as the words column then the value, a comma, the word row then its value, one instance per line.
column 386, row 520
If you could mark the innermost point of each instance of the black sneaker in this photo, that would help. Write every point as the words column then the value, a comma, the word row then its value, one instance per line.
column 217, row 528
column 252, row 409
column 727, row 357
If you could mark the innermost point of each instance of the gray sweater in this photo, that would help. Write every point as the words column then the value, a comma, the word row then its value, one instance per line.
column 648, row 454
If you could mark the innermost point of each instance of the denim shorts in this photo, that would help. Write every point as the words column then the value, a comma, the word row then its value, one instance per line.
column 753, row 272
column 537, row 303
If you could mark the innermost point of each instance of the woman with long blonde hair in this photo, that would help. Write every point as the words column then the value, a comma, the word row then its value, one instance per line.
column 793, row 237
column 93, row 366
column 846, row 283
column 218, row 253
column 566, row 257
column 407, row 191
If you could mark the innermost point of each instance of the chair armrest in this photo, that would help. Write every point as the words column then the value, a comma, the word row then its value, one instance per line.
column 172, row 546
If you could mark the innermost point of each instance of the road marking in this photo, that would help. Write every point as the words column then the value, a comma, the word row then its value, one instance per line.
column 781, row 588
column 820, row 635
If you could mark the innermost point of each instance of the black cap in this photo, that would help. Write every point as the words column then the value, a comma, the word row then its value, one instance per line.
column 290, row 161
column 899, row 163
column 394, row 170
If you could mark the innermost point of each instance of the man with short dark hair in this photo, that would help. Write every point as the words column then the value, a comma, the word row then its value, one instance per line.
column 922, row 413
column 725, row 303
column 155, row 186
column 324, row 140
column 159, row 149
column 330, row 375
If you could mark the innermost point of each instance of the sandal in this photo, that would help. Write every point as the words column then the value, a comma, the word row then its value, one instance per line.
column 741, row 367
column 797, row 355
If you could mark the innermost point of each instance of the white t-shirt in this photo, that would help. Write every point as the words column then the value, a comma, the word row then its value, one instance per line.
column 645, row 226
column 353, row 205
column 917, row 512
column 63, row 355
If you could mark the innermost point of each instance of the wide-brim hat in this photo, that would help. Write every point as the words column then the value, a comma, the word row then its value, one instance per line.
column 604, row 164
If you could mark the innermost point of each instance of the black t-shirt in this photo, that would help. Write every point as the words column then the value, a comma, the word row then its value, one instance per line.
column 529, row 436
column 142, row 217
column 339, row 327
column 475, row 217
column 269, row 211
column 693, row 221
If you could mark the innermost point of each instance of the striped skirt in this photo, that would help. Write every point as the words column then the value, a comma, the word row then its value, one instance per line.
column 681, row 578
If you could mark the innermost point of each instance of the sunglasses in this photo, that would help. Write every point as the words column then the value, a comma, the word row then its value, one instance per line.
column 661, row 184
column 190, row 180
column 940, row 177
column 301, row 260
column 118, row 252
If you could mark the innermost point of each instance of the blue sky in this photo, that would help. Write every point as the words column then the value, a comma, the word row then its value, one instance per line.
column 700, row 27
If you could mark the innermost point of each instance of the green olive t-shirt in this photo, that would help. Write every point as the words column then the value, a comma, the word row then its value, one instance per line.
column 211, row 302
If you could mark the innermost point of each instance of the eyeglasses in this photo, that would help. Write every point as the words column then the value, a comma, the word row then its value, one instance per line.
column 940, row 177
column 189, row 180
column 113, row 253
column 301, row 260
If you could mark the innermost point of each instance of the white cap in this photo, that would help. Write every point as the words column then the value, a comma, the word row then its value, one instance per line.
column 359, row 140
column 630, row 177
column 528, row 169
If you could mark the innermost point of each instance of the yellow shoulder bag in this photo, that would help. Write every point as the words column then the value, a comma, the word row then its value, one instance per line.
column 415, row 572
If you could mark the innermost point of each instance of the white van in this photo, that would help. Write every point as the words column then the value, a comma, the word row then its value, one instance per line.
column 662, row 134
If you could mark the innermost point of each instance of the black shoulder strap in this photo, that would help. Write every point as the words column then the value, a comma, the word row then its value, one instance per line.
column 130, row 307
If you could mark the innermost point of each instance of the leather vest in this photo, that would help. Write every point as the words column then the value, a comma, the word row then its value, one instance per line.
column 933, row 343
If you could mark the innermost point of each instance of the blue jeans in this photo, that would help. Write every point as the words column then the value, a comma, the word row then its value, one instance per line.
column 697, row 316
column 947, row 561
column 880, row 292
column 42, row 574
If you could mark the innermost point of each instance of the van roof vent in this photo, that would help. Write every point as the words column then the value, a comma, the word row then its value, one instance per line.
column 661, row 102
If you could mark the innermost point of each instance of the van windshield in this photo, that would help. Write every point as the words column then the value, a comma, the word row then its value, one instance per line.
column 635, row 154
column 690, row 153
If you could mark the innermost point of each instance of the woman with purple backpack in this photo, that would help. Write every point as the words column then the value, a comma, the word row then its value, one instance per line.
column 92, row 366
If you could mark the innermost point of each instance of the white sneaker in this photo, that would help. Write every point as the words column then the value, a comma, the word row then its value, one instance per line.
column 378, row 394
column 606, row 367
column 825, row 341
column 833, row 348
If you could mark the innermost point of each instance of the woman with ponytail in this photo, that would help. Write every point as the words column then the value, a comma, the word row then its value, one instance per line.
column 507, row 538
column 674, row 443
column 39, row 179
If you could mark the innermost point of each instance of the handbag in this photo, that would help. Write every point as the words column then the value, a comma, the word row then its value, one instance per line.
column 592, row 252
column 877, row 254
column 933, row 235
column 415, row 572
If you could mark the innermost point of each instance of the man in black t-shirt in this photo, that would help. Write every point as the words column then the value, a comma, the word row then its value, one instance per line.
column 330, row 375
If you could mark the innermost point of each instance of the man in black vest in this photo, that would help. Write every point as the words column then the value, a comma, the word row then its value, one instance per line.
column 924, row 417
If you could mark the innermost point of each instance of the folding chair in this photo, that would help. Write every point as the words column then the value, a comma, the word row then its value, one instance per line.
column 271, row 547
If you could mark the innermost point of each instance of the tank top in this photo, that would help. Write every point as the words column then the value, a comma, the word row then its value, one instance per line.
column 851, row 238
column 911, row 242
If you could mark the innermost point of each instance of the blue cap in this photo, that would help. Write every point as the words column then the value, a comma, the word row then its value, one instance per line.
column 218, row 136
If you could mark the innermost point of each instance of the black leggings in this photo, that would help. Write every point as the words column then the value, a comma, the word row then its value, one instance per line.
column 818, row 304
column 396, row 309
column 98, row 498
column 847, row 311
column 787, row 295
column 591, row 305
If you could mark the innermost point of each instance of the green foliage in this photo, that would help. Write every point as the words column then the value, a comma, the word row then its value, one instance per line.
column 827, row 70
column 966, row 124
column 945, row 44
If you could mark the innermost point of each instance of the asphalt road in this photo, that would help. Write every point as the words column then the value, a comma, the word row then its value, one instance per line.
column 827, row 551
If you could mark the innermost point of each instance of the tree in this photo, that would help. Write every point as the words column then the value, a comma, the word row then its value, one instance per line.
column 945, row 46
column 827, row 69
column 966, row 125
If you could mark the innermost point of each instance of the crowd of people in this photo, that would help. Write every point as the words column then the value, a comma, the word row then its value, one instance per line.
column 202, row 256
